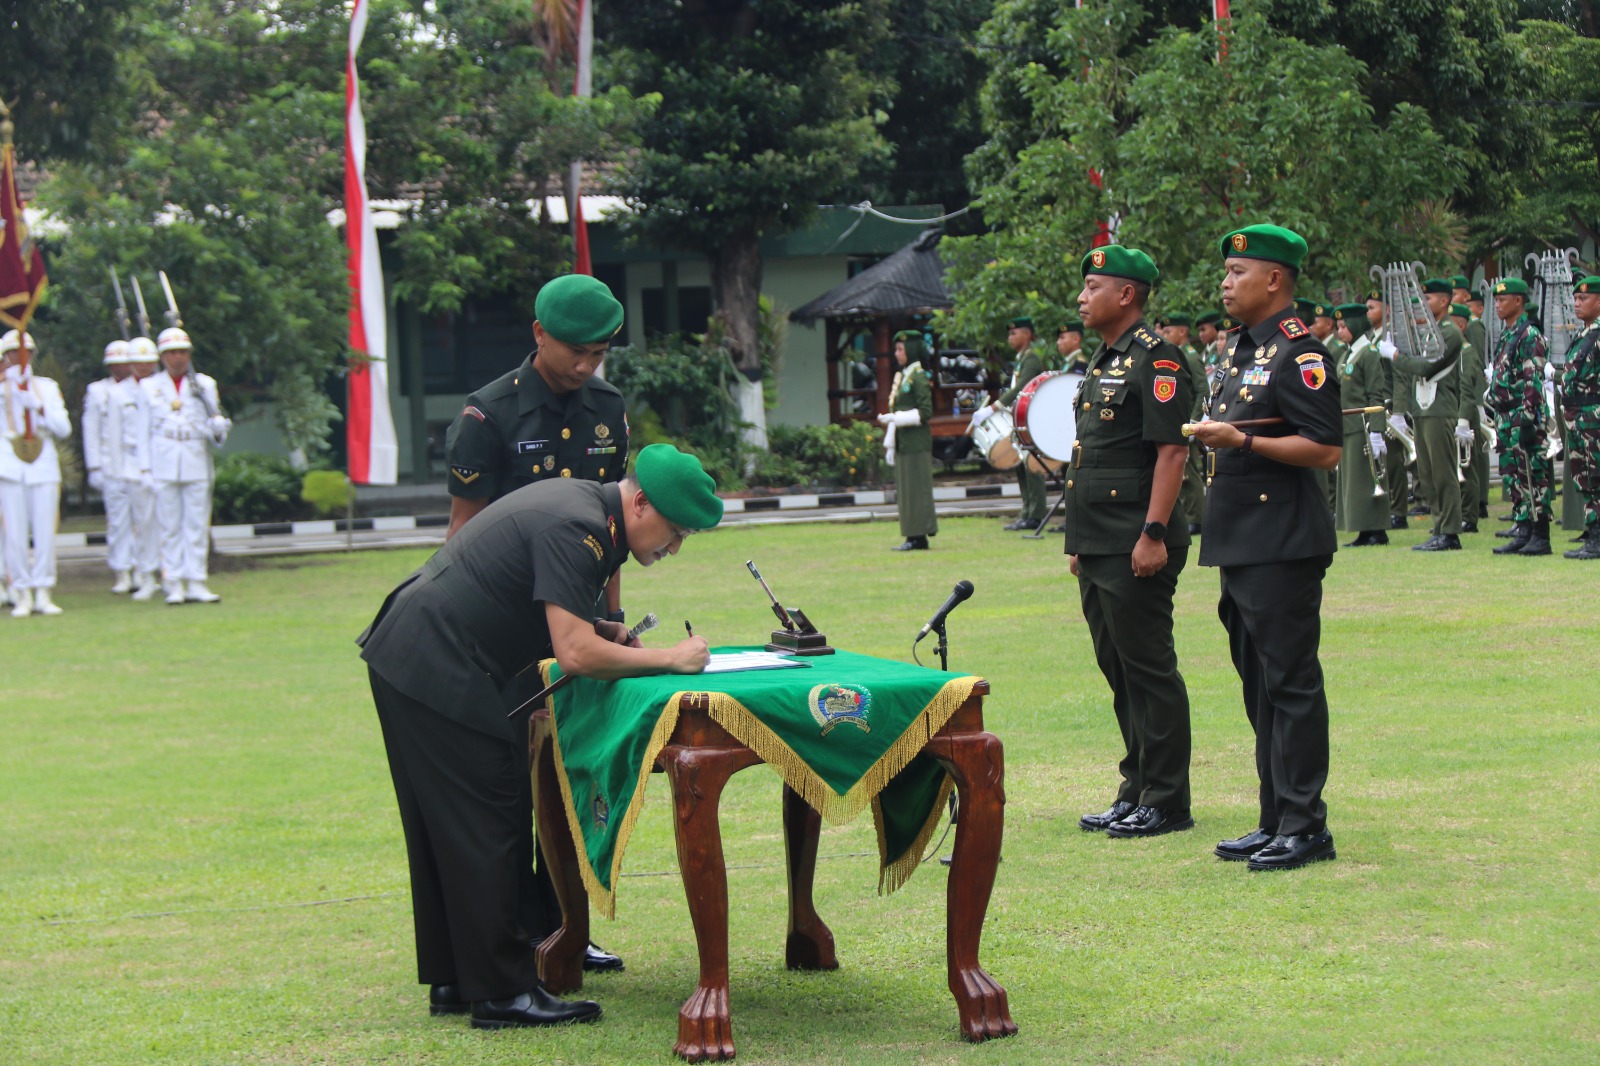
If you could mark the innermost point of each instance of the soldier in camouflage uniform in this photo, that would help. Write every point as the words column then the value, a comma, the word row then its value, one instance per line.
column 1516, row 395
column 1580, row 402
column 908, row 443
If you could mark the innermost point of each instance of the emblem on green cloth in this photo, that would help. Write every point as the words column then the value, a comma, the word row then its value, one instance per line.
column 833, row 704
column 602, row 812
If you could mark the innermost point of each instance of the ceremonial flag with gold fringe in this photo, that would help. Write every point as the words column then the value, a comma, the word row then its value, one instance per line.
column 847, row 733
column 22, row 277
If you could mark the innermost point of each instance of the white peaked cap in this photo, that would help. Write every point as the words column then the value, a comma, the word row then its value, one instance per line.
column 141, row 350
column 117, row 353
column 172, row 337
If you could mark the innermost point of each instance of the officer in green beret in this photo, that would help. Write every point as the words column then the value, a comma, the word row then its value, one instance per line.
column 908, row 442
column 517, row 584
column 1580, row 402
column 1363, row 505
column 1436, row 402
column 1516, row 397
column 1125, row 543
column 1472, row 430
column 1029, row 365
column 1069, row 347
column 1269, row 530
column 549, row 419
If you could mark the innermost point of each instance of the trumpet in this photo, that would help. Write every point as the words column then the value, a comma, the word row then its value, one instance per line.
column 1376, row 466
column 1408, row 440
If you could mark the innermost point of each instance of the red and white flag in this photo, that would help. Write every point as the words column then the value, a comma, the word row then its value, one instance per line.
column 369, row 425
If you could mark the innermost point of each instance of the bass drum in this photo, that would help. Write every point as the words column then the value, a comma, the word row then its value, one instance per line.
column 1047, row 419
column 993, row 438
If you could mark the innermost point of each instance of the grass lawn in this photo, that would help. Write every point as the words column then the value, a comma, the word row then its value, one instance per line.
column 201, row 862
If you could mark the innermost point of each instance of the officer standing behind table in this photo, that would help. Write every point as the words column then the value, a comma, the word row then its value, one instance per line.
column 116, row 455
column 186, row 426
column 144, row 361
column 518, row 583
column 550, row 419
column 1580, row 401
column 1123, row 544
column 908, row 443
column 30, row 482
column 1269, row 530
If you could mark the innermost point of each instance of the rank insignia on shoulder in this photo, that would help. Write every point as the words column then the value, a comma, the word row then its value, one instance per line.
column 594, row 546
column 465, row 474
column 1293, row 328
column 474, row 412
column 1165, row 388
column 1146, row 338
column 1166, row 364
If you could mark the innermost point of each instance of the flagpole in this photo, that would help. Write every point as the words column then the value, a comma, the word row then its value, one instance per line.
column 582, row 88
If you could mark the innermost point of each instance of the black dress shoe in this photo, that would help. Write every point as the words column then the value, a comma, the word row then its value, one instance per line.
column 1443, row 542
column 1418, row 512
column 1018, row 524
column 446, row 999
column 912, row 544
column 1094, row 823
column 1369, row 538
column 1060, row 527
column 1241, row 848
column 1194, row 529
column 1292, row 852
column 1469, row 527
column 536, row 1007
column 1151, row 822
column 597, row 959
column 1397, row 521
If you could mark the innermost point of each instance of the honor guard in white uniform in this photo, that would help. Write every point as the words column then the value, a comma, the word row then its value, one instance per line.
column 144, row 361
column 186, row 425
column 30, row 477
column 116, row 454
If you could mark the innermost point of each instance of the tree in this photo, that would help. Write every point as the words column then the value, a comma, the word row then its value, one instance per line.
column 767, row 109
column 59, row 62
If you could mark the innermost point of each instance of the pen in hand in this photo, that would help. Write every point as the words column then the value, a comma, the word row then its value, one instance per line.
column 687, row 628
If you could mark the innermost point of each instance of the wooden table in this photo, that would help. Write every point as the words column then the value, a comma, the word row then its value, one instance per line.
column 698, row 760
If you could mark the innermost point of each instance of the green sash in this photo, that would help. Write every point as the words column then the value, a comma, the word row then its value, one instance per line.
column 844, row 731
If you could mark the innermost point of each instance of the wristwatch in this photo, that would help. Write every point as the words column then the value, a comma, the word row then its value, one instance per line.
column 1155, row 530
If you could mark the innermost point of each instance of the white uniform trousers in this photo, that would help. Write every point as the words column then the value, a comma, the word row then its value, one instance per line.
column 183, row 508
column 146, row 530
column 33, row 509
column 118, row 495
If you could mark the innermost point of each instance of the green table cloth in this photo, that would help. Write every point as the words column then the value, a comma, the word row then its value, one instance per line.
column 844, row 731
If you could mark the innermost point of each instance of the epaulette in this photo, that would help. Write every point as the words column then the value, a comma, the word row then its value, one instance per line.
column 1293, row 328
column 1146, row 339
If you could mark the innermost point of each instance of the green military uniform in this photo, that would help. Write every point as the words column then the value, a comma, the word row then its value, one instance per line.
column 1192, row 497
column 1469, row 415
column 1078, row 361
column 913, row 447
column 1337, row 350
column 1360, row 509
column 1477, row 336
column 1137, row 396
column 1580, row 402
column 1029, row 365
column 1516, row 396
column 1438, row 382
column 1396, row 482
column 1269, row 529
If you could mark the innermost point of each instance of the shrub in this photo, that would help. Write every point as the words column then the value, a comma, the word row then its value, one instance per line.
column 847, row 454
column 252, row 487
column 329, row 492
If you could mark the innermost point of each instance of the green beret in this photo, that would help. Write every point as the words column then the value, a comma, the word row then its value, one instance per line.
column 1459, row 281
column 1511, row 287
column 1321, row 310
column 578, row 309
column 678, row 486
column 1116, row 261
column 1024, row 322
column 1071, row 325
column 1374, row 294
column 1210, row 318
column 1532, row 309
column 1271, row 243
column 1441, row 285
column 1307, row 308
column 907, row 334
column 1588, row 284
column 1179, row 319
column 1477, row 296
column 1461, row 310
column 1344, row 311
column 1227, row 322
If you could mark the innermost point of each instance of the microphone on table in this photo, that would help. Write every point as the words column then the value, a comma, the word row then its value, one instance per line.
column 959, row 595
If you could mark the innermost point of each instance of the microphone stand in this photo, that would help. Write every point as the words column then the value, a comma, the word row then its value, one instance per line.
column 943, row 648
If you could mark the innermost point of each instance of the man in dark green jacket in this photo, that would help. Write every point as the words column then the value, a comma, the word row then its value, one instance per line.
column 1029, row 365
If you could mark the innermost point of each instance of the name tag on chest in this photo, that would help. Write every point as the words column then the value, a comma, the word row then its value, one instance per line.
column 526, row 446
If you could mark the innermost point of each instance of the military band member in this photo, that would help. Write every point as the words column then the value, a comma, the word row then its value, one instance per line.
column 1269, row 530
column 908, row 442
column 30, row 475
column 1123, row 544
column 1435, row 404
column 1396, row 481
column 186, row 427
column 144, row 361
column 518, row 583
column 1019, row 335
column 1069, row 347
column 116, row 455
column 1363, row 506
column 1516, row 395
column 1580, row 402
column 1471, row 430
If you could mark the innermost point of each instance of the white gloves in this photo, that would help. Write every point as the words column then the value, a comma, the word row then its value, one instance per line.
column 888, row 444
column 29, row 400
column 1380, row 447
column 1398, row 424
column 982, row 413
column 1386, row 348
column 96, row 480
column 904, row 419
column 1464, row 432
column 218, row 428
column 886, row 418
column 1552, row 447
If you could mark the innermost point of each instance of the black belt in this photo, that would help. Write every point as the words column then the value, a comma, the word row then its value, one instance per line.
column 1126, row 458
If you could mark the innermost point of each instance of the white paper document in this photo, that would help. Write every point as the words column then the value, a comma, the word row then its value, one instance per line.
column 728, row 662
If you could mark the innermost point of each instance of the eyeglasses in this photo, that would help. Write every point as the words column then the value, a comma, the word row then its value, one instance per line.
column 683, row 534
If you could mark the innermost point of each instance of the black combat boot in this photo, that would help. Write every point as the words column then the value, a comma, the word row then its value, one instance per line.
column 1539, row 542
column 1590, row 549
column 1519, row 536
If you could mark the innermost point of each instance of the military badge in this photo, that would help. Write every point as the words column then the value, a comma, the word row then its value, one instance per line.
column 1166, row 364
column 1256, row 376
column 1293, row 328
column 549, row 462
column 1107, row 415
column 465, row 474
column 602, row 430
column 594, row 546
column 1312, row 371
column 1106, row 394
column 473, row 412
column 1146, row 338
column 1098, row 258
column 832, row 704
column 1240, row 242
column 1165, row 388
column 602, row 812
column 1272, row 352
